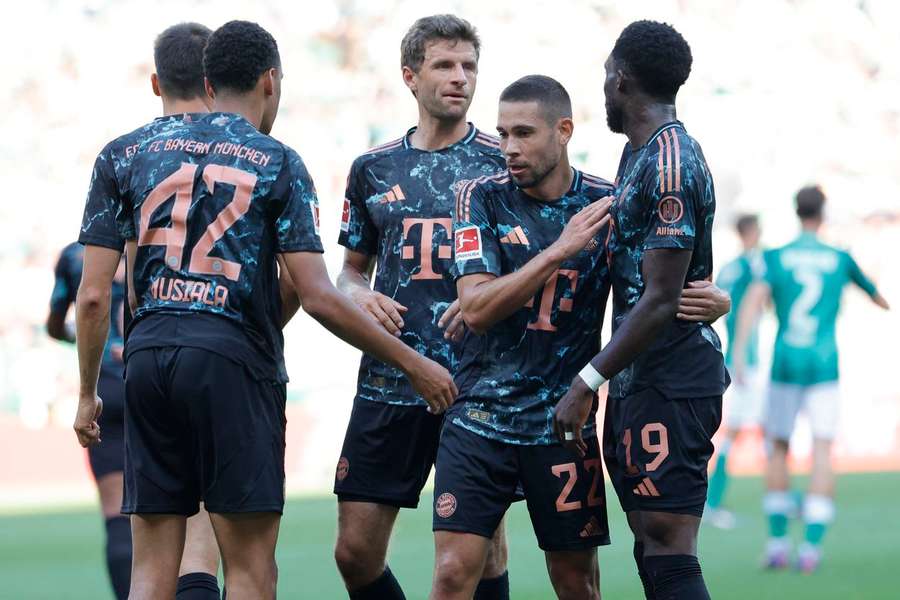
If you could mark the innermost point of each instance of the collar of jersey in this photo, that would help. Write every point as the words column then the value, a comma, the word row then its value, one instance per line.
column 473, row 131
column 663, row 127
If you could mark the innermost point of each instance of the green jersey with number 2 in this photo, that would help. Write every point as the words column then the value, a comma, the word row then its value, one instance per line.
column 807, row 277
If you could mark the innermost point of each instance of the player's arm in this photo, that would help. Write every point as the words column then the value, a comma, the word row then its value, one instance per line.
column 92, row 323
column 867, row 285
column 290, row 301
column 663, row 272
column 755, row 301
column 486, row 299
column 701, row 301
column 60, row 301
column 337, row 313
column 355, row 281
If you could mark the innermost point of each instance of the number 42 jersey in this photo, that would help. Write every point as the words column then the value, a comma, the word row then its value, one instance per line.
column 210, row 201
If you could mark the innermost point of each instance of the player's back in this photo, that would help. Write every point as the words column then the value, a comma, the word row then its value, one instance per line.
column 807, row 278
column 210, row 201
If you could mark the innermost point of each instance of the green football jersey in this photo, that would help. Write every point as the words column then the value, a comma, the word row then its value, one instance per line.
column 735, row 278
column 806, row 278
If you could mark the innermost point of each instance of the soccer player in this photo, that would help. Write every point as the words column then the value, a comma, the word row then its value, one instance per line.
column 209, row 201
column 668, row 375
column 397, row 214
column 533, row 281
column 106, row 459
column 178, row 81
column 744, row 397
column 804, row 281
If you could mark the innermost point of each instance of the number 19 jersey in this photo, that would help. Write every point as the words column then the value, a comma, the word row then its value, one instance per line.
column 210, row 201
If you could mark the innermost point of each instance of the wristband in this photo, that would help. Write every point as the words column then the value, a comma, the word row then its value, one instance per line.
column 590, row 376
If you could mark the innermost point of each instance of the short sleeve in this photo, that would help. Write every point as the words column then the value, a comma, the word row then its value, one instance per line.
column 859, row 278
column 297, row 208
column 671, row 222
column 104, row 220
column 65, row 284
column 358, row 231
column 476, row 242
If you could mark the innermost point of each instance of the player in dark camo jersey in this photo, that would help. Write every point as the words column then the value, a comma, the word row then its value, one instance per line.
column 397, row 214
column 668, row 376
column 210, row 200
column 178, row 81
column 533, row 280
column 106, row 459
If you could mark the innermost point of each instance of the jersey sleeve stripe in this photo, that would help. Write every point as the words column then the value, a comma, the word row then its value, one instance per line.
column 387, row 146
column 662, row 173
column 668, row 160
column 677, row 161
column 488, row 140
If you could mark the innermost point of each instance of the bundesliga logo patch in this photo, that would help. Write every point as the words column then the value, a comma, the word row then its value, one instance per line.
column 468, row 243
column 345, row 216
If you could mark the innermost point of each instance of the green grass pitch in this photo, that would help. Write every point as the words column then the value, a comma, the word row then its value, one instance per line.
column 57, row 555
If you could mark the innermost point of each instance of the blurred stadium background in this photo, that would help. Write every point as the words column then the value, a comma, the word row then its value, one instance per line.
column 782, row 93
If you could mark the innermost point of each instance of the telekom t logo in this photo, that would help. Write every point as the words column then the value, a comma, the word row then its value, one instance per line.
column 426, row 249
column 548, row 295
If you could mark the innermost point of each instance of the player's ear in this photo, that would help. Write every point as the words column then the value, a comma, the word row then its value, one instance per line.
column 154, row 83
column 409, row 78
column 269, row 81
column 210, row 91
column 565, row 127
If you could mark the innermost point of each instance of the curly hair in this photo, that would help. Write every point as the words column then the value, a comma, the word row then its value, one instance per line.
column 656, row 55
column 237, row 53
column 178, row 56
column 435, row 27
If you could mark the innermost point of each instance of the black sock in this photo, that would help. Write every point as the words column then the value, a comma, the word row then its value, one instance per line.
column 676, row 577
column 383, row 588
column 642, row 572
column 118, row 554
column 496, row 588
column 197, row 586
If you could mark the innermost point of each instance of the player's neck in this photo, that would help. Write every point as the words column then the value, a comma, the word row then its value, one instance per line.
column 644, row 119
column 434, row 134
column 555, row 185
column 177, row 106
column 811, row 226
column 244, row 105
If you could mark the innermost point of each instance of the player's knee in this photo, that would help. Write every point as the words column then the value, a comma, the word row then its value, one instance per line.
column 452, row 573
column 662, row 531
column 357, row 559
column 573, row 583
column 256, row 579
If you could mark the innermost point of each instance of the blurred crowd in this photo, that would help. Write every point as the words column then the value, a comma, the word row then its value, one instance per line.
column 782, row 93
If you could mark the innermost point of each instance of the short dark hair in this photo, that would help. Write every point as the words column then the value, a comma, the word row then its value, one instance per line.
column 237, row 54
column 546, row 91
column 810, row 202
column 656, row 55
column 745, row 223
column 435, row 27
column 178, row 55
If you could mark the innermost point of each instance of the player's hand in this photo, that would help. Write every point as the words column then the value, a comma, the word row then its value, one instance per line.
column 434, row 383
column 385, row 310
column 582, row 227
column 86, row 428
column 571, row 414
column 701, row 301
column 452, row 323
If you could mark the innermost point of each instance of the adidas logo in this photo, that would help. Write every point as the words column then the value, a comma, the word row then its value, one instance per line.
column 395, row 194
column 592, row 528
column 646, row 488
column 516, row 236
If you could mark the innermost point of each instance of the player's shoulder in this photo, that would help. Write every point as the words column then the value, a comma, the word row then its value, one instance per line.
column 484, row 191
column 673, row 150
column 593, row 186
column 485, row 143
column 73, row 252
column 385, row 151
